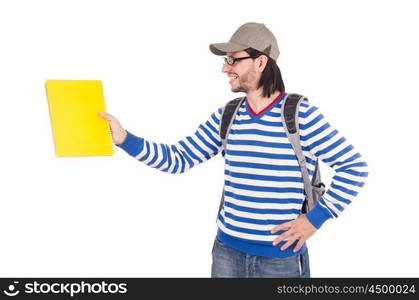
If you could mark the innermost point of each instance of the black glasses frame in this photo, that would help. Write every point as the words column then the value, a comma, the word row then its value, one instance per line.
column 231, row 60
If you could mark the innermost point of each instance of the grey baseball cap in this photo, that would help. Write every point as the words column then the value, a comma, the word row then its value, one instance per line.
column 249, row 35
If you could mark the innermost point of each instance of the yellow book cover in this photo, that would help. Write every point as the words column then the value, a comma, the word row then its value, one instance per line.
column 77, row 128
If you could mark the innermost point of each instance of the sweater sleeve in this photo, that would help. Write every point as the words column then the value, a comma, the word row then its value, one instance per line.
column 324, row 142
column 182, row 156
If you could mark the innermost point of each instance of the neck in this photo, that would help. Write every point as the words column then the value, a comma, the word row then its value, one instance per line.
column 257, row 102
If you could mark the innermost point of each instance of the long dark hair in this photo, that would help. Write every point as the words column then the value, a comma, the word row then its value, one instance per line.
column 271, row 79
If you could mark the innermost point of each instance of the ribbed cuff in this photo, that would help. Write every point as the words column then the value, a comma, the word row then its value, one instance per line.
column 318, row 215
column 133, row 145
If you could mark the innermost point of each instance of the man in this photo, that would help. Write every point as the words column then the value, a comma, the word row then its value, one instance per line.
column 261, row 228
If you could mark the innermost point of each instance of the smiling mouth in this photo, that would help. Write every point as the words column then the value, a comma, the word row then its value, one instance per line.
column 232, row 77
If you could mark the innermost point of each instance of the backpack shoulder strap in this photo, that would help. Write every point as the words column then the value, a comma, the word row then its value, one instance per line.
column 227, row 118
column 289, row 113
column 290, row 109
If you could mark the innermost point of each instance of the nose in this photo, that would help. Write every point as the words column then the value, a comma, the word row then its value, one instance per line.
column 226, row 68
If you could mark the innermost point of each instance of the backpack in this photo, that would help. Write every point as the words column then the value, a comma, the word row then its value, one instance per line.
column 289, row 112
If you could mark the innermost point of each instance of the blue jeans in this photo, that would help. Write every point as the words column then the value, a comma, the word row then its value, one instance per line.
column 229, row 262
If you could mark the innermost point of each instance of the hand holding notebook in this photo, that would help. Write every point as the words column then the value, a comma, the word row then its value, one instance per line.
column 118, row 132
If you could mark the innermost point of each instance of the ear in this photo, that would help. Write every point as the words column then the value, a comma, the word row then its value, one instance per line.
column 261, row 62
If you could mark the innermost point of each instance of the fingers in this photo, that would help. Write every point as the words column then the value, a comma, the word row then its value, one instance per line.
column 299, row 229
column 299, row 245
column 282, row 237
column 291, row 237
column 106, row 116
column 119, row 134
column 283, row 226
column 290, row 241
column 113, row 122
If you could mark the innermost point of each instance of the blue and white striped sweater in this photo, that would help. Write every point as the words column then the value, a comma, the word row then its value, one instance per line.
column 263, row 182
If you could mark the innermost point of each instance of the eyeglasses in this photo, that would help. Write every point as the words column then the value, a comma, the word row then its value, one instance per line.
column 231, row 60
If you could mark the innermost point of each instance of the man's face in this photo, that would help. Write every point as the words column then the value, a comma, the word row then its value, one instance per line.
column 242, row 74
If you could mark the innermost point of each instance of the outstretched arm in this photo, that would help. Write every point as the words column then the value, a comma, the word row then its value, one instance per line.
column 177, row 158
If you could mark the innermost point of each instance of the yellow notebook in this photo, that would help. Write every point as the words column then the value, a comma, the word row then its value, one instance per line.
column 77, row 128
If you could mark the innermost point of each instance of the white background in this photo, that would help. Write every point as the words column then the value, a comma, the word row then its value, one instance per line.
column 113, row 216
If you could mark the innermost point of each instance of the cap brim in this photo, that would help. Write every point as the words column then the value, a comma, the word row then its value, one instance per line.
column 223, row 48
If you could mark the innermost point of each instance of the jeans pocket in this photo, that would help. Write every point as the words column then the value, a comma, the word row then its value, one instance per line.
column 304, row 264
column 217, row 244
column 282, row 267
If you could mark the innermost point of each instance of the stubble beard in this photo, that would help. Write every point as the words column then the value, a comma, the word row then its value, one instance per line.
column 238, row 89
column 242, row 86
